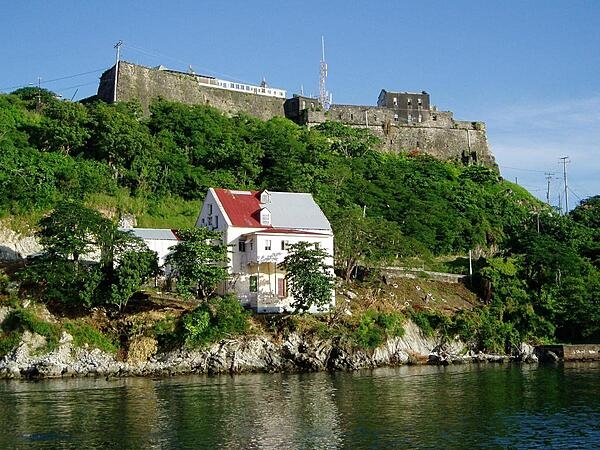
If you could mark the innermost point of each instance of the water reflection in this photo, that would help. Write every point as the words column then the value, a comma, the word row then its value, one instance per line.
column 405, row 407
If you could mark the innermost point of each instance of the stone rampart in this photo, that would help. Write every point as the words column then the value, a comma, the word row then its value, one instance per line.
column 429, row 131
column 145, row 84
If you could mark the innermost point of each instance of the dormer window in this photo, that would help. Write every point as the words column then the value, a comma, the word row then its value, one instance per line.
column 265, row 217
column 265, row 197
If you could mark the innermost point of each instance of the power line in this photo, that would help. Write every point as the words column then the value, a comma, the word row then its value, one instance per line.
column 53, row 80
column 522, row 170
column 155, row 54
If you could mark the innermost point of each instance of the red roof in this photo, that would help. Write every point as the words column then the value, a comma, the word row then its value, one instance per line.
column 242, row 207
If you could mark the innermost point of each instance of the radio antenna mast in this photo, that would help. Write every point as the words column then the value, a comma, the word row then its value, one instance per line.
column 324, row 96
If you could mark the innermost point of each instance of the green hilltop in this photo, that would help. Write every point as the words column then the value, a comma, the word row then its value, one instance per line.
column 536, row 272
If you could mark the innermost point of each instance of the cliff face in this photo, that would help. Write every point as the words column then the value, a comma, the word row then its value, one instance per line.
column 438, row 135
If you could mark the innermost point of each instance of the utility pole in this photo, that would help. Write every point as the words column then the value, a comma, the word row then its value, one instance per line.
column 565, row 161
column 548, row 178
column 118, row 48
column 39, row 94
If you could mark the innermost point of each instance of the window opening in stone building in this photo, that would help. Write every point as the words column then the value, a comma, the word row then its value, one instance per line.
column 253, row 283
column 395, row 101
column 395, row 117
column 409, row 118
column 420, row 118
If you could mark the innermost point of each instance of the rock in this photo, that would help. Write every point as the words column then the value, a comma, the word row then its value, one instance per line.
column 527, row 354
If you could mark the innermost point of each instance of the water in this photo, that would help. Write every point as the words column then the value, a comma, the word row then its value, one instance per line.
column 488, row 406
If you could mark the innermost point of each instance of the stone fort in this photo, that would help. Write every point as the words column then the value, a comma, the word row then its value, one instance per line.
column 404, row 121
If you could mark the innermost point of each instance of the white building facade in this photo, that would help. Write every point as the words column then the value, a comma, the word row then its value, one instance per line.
column 258, row 227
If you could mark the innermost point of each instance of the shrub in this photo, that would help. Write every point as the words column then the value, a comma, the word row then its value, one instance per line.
column 429, row 322
column 374, row 327
column 84, row 334
column 21, row 319
column 9, row 341
column 214, row 319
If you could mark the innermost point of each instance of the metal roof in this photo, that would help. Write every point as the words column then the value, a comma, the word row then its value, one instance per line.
column 156, row 234
column 289, row 210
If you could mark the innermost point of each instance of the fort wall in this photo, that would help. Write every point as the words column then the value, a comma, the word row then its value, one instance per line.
column 433, row 132
column 145, row 84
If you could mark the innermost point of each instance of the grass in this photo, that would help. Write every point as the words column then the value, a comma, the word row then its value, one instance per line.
column 86, row 335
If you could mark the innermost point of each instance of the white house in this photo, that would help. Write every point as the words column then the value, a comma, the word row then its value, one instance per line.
column 159, row 240
column 258, row 227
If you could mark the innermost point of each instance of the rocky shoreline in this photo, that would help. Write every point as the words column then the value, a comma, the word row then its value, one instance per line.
column 294, row 353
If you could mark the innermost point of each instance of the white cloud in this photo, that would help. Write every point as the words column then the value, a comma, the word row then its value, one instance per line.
column 529, row 140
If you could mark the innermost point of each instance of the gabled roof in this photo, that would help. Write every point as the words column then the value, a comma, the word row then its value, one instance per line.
column 286, row 231
column 288, row 210
column 157, row 234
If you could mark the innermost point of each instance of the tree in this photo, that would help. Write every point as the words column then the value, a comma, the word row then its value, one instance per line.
column 134, row 267
column 310, row 278
column 199, row 262
column 63, row 128
column 372, row 242
column 72, row 230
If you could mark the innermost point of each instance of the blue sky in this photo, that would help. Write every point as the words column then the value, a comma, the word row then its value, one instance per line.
column 529, row 69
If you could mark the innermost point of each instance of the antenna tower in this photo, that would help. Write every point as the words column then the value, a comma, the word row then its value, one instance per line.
column 324, row 96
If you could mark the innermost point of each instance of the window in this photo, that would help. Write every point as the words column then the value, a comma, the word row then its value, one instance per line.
column 253, row 283
column 408, row 102
column 420, row 118
column 419, row 102
column 281, row 288
column 285, row 245
column 395, row 117
column 265, row 217
column 216, row 221
column 267, row 244
column 409, row 118
column 395, row 101
column 209, row 209
column 265, row 197
column 241, row 245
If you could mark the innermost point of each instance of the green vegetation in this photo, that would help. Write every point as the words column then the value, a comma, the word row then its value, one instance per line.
column 309, row 278
column 20, row 320
column 86, row 335
column 539, row 280
column 73, row 231
column 214, row 319
column 199, row 262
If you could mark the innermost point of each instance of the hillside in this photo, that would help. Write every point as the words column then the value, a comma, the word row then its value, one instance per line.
column 535, row 271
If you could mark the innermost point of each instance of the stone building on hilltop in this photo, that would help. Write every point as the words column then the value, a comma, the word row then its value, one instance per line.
column 406, row 122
